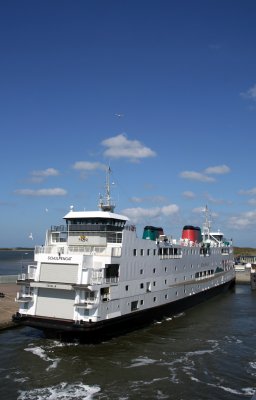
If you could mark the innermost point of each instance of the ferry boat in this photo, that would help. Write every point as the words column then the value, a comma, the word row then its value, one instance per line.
column 94, row 278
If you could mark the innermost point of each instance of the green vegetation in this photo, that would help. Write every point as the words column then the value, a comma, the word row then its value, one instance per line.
column 244, row 251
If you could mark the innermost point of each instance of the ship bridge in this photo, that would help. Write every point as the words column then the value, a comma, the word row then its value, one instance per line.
column 94, row 221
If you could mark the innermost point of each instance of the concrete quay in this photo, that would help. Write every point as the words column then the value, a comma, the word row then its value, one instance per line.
column 243, row 276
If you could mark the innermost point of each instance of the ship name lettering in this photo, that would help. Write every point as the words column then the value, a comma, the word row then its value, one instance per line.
column 60, row 258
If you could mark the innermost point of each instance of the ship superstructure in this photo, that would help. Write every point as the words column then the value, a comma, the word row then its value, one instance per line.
column 95, row 278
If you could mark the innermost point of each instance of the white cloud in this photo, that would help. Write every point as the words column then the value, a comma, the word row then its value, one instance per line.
column 46, row 172
column 214, row 200
column 151, row 199
column 250, row 93
column 136, row 199
column 218, row 169
column 188, row 194
column 202, row 210
column 157, row 199
column 252, row 202
column 169, row 210
column 120, row 147
column 42, row 192
column 40, row 175
column 203, row 176
column 139, row 213
column 198, row 210
column 243, row 220
column 249, row 192
column 196, row 176
column 88, row 166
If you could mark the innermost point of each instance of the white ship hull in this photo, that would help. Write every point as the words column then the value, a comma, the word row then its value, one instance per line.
column 86, row 332
column 94, row 278
column 80, row 291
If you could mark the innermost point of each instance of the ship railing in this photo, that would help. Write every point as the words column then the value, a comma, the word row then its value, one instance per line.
column 58, row 250
column 30, row 275
column 24, row 297
column 87, row 301
column 204, row 277
column 22, row 277
column 46, row 249
column 130, row 228
column 96, row 250
column 111, row 280
column 58, row 228
column 99, row 280
column 170, row 256
column 225, row 250
column 90, row 300
column 187, row 243
column 87, row 250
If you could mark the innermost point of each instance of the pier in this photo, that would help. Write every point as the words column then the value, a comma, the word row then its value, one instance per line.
column 243, row 275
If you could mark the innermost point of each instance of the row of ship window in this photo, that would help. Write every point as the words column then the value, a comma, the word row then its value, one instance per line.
column 170, row 251
column 135, row 303
column 197, row 275
column 184, row 267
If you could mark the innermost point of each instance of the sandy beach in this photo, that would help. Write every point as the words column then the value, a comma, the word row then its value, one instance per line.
column 8, row 305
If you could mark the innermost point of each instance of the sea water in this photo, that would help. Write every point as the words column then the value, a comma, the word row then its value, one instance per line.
column 14, row 262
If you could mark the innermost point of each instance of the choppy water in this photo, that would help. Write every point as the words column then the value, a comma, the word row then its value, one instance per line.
column 13, row 262
column 208, row 352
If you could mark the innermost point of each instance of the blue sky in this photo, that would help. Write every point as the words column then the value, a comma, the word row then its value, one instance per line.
column 182, row 75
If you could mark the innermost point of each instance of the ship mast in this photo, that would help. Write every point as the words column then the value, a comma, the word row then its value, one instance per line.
column 206, row 224
column 107, row 206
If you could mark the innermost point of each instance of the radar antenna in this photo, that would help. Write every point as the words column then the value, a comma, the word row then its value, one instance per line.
column 107, row 206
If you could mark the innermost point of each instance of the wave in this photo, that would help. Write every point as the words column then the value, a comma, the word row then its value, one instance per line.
column 61, row 391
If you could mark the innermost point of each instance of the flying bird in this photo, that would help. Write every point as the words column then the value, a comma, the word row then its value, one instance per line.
column 31, row 236
column 119, row 115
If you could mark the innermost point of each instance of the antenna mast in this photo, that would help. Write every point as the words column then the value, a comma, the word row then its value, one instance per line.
column 207, row 224
column 107, row 206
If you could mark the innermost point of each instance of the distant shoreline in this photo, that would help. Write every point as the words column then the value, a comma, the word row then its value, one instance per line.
column 17, row 249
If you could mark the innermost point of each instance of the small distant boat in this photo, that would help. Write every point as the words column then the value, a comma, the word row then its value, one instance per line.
column 94, row 278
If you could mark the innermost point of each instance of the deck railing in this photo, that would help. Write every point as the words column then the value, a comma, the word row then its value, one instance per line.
column 87, row 250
